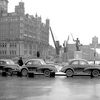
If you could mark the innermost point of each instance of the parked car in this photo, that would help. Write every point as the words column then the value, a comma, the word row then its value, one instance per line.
column 40, row 66
column 8, row 67
column 79, row 66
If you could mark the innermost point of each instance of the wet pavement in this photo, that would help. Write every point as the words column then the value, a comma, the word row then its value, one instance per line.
column 41, row 88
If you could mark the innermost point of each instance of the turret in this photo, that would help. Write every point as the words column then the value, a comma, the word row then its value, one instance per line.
column 3, row 6
column 19, row 9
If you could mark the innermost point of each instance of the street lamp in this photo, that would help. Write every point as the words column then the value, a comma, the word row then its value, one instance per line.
column 95, row 52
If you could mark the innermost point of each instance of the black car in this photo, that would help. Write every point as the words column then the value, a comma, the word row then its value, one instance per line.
column 40, row 66
column 8, row 67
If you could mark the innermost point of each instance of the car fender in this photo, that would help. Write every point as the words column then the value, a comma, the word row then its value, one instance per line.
column 24, row 68
column 91, row 68
column 67, row 69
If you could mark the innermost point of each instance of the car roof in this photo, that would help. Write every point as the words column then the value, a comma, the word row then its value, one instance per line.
column 5, row 59
column 34, row 59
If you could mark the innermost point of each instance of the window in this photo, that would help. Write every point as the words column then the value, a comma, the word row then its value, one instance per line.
column 36, row 62
column 12, row 52
column 30, row 52
column 83, row 62
column 3, row 45
column 75, row 63
column 2, row 62
column 29, row 63
column 21, row 18
column 3, row 52
column 21, row 25
column 21, row 31
column 13, row 45
column 25, row 52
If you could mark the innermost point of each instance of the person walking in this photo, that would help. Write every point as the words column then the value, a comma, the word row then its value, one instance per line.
column 20, row 61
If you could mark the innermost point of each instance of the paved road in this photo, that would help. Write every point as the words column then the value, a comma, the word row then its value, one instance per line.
column 41, row 88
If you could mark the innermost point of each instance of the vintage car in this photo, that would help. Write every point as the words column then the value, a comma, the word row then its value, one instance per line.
column 81, row 66
column 8, row 67
column 40, row 66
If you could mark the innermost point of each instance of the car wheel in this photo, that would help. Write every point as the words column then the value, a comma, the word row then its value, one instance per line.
column 47, row 73
column 19, row 74
column 9, row 72
column 52, row 74
column 24, row 72
column 30, row 75
column 4, row 74
column 69, row 73
column 95, row 73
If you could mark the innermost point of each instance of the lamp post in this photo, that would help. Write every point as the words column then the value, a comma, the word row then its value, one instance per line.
column 95, row 52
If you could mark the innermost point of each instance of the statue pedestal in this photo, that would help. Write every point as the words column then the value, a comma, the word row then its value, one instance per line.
column 65, row 57
column 78, row 55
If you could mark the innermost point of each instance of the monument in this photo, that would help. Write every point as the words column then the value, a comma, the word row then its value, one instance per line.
column 78, row 52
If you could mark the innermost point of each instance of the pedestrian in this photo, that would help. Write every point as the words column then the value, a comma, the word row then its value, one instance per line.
column 20, row 61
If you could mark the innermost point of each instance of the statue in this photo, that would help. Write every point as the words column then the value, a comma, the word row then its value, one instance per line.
column 77, row 43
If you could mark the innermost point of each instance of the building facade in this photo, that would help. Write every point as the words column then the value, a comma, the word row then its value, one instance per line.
column 22, row 34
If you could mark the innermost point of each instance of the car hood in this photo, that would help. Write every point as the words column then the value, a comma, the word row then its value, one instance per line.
column 12, row 65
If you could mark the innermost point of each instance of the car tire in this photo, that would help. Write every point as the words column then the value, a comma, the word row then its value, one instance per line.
column 19, row 74
column 47, row 73
column 52, row 74
column 30, row 75
column 24, row 72
column 4, row 74
column 69, row 72
column 95, row 73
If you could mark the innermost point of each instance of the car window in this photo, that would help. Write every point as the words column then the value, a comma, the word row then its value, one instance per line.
column 75, row 62
column 10, row 62
column 36, row 62
column 2, row 62
column 43, row 62
column 29, row 63
column 83, row 63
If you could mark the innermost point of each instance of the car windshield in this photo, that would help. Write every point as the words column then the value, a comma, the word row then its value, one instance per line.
column 10, row 62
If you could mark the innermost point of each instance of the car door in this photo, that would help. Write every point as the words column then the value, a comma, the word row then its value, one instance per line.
column 37, row 65
column 75, row 65
column 82, row 65
column 30, row 65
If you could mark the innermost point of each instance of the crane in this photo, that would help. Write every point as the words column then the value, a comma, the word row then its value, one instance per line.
column 56, row 43
column 65, row 44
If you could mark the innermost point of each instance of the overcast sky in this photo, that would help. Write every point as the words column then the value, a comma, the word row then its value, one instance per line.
column 79, row 17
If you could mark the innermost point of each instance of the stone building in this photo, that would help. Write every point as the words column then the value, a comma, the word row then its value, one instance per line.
column 22, row 34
